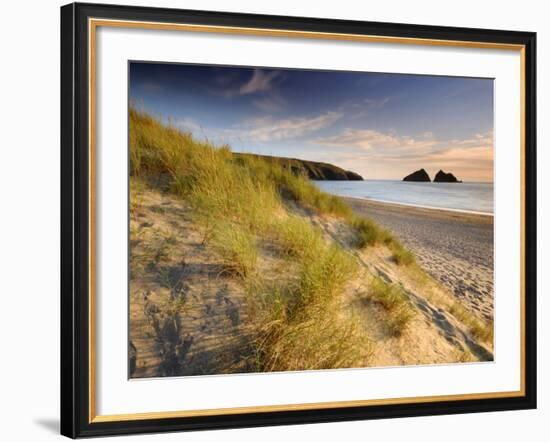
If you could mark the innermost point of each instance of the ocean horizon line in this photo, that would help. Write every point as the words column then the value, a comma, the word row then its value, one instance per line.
column 417, row 182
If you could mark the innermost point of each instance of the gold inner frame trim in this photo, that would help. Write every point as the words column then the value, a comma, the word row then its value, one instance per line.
column 93, row 24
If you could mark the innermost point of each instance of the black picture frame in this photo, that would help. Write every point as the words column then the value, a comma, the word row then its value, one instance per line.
column 75, row 220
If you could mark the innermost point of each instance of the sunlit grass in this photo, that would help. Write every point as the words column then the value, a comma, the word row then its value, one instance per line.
column 241, row 204
column 400, row 254
column 237, row 249
column 392, row 298
column 479, row 330
column 368, row 233
column 296, row 237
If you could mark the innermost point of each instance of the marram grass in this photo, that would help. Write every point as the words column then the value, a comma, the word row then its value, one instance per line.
column 240, row 203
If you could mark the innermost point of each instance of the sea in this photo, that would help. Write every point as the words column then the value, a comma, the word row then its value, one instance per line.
column 464, row 197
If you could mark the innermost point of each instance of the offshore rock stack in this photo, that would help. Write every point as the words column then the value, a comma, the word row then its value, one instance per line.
column 419, row 176
column 423, row 177
column 442, row 177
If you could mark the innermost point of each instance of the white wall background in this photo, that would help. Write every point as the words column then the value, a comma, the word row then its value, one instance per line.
column 29, row 219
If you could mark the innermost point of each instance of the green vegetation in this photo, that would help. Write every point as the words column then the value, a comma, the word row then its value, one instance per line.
column 313, row 170
column 464, row 356
column 292, row 185
column 247, row 204
column 400, row 254
column 322, row 274
column 368, row 233
column 395, row 302
column 319, row 339
column 479, row 330
column 306, row 194
column 297, row 323
column 237, row 248
column 296, row 237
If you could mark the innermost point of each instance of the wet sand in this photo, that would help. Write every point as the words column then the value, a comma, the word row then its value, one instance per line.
column 456, row 248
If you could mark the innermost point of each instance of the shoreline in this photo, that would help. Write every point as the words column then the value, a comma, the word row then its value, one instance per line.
column 456, row 248
column 419, row 206
column 421, row 211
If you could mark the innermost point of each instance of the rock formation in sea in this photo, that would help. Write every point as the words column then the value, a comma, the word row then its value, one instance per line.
column 442, row 177
column 420, row 175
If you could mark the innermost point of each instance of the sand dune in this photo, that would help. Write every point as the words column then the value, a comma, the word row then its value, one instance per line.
column 189, row 318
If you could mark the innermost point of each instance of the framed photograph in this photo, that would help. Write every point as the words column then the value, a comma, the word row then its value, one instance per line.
column 279, row 220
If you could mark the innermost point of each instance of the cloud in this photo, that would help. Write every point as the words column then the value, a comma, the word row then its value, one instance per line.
column 376, row 103
column 371, row 139
column 266, row 129
column 261, row 81
column 269, row 129
column 272, row 103
column 260, row 130
column 454, row 155
column 387, row 154
column 467, row 163
column 477, row 139
column 359, row 108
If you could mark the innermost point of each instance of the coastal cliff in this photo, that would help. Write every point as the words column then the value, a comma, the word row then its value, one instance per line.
column 313, row 169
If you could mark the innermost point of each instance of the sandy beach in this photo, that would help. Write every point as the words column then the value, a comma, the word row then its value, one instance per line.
column 456, row 248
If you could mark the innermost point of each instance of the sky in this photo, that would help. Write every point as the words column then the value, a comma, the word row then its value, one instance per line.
column 382, row 126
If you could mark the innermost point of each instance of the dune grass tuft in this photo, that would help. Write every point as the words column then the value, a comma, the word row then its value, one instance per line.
column 368, row 233
column 237, row 248
column 304, row 337
column 296, row 237
column 323, row 273
column 297, row 324
column 294, row 186
column 400, row 254
column 395, row 302
column 479, row 330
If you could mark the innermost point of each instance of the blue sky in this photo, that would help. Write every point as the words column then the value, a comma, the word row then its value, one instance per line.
column 382, row 126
